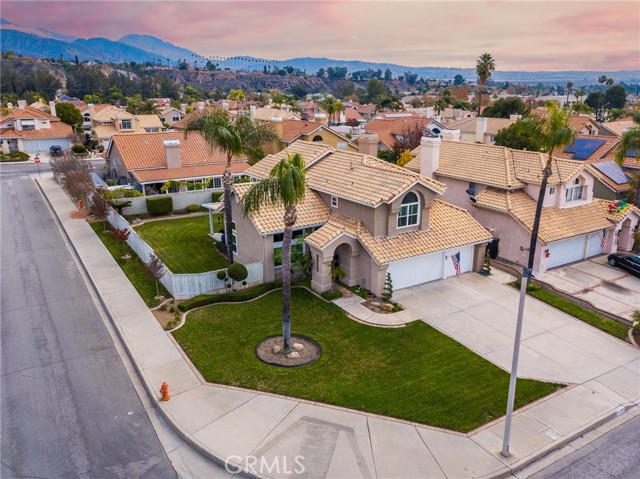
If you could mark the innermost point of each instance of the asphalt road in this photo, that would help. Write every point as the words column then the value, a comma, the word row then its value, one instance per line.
column 612, row 456
column 68, row 407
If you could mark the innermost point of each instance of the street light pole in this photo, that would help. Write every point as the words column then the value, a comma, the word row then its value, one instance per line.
column 526, row 274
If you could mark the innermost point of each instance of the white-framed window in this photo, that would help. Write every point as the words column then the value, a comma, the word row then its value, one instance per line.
column 575, row 192
column 28, row 124
column 176, row 118
column 234, row 237
column 125, row 124
column 408, row 214
column 334, row 201
column 217, row 182
column 552, row 190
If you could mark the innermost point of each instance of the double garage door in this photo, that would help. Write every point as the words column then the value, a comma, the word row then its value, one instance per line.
column 573, row 249
column 34, row 146
column 429, row 267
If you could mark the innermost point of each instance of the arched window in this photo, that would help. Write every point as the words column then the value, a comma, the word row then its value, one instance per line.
column 408, row 214
column 317, row 138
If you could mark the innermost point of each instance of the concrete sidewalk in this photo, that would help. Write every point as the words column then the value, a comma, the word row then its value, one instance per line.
column 238, row 426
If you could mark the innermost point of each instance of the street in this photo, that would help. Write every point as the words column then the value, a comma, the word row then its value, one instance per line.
column 69, row 408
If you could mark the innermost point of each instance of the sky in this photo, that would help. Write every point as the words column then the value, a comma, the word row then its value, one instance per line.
column 521, row 35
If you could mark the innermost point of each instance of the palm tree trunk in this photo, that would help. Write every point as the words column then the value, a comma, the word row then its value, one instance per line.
column 227, row 181
column 289, row 221
column 536, row 220
column 479, row 100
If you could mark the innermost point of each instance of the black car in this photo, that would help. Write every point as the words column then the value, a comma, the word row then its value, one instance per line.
column 626, row 261
column 55, row 150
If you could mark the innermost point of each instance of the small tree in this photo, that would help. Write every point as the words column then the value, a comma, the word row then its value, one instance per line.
column 121, row 235
column 155, row 270
column 69, row 114
column 79, row 184
column 66, row 163
column 387, row 293
column 337, row 273
column 100, row 208
column 237, row 272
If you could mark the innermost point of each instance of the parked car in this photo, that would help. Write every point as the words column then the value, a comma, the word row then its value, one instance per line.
column 55, row 150
column 626, row 261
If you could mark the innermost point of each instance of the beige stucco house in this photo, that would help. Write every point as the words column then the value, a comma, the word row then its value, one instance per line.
column 366, row 215
column 500, row 186
column 113, row 120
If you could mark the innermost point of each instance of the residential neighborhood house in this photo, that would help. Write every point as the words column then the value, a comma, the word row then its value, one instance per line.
column 112, row 120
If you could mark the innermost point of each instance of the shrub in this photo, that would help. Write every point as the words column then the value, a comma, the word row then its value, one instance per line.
column 172, row 309
column 215, row 196
column 79, row 149
column 237, row 297
column 172, row 323
column 238, row 272
column 222, row 274
column 111, row 181
column 163, row 307
column 331, row 295
column 192, row 208
column 14, row 156
column 160, row 205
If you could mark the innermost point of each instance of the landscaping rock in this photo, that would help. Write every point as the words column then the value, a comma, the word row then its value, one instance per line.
column 277, row 349
column 375, row 304
column 136, row 221
column 387, row 307
column 293, row 355
column 297, row 346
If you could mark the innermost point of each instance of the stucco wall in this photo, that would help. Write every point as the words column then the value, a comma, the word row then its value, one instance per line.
column 456, row 193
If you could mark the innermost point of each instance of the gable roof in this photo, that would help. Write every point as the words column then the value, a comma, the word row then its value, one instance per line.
column 609, row 143
column 294, row 129
column 469, row 125
column 555, row 223
column 309, row 150
column 57, row 130
column 387, row 128
column 194, row 115
column 449, row 227
column 618, row 127
column 266, row 114
column 187, row 172
column 28, row 113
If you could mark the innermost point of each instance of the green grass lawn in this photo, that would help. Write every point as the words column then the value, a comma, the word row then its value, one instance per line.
column 134, row 268
column 414, row 373
column 603, row 323
column 184, row 244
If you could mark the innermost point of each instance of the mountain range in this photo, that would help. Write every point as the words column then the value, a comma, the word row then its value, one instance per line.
column 41, row 43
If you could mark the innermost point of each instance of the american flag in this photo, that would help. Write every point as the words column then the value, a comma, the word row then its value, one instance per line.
column 603, row 241
column 455, row 258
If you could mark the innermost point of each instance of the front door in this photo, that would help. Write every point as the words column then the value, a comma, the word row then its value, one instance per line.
column 13, row 146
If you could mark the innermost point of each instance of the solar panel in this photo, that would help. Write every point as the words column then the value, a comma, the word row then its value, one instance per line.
column 612, row 171
column 633, row 153
column 583, row 148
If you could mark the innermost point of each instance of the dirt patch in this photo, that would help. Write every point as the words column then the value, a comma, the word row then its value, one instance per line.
column 78, row 215
column 382, row 307
column 169, row 316
column 304, row 351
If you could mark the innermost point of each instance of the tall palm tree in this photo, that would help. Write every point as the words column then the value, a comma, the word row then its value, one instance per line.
column 630, row 142
column 569, row 87
column 484, row 66
column 285, row 186
column 234, row 137
column 553, row 132
column 580, row 93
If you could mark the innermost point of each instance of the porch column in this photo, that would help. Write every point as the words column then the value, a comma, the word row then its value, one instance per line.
column 321, row 272
column 211, row 223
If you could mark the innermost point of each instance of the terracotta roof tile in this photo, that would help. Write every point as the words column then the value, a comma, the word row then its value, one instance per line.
column 187, row 172
column 57, row 130
column 609, row 143
column 468, row 125
column 310, row 152
column 27, row 113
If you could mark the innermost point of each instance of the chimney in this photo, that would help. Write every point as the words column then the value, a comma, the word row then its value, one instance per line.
column 252, row 112
column 368, row 144
column 172, row 153
column 320, row 118
column 22, row 104
column 429, row 155
column 481, row 129
column 183, row 108
column 278, row 126
column 451, row 135
column 200, row 105
column 429, row 112
column 10, row 106
column 92, row 109
column 515, row 117
column 52, row 108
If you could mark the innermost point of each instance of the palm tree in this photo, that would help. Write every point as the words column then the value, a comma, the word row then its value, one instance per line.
column 234, row 137
column 553, row 132
column 580, row 93
column 484, row 66
column 285, row 186
column 569, row 87
column 630, row 142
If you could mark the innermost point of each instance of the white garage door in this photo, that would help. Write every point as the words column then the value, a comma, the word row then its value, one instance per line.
column 34, row 146
column 566, row 251
column 416, row 270
column 595, row 247
column 466, row 261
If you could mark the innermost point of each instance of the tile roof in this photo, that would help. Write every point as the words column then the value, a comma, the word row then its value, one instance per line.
column 96, row 107
column 194, row 115
column 110, row 113
column 292, row 129
column 618, row 127
column 57, row 130
column 187, row 172
column 449, row 227
column 310, row 152
column 27, row 113
column 469, row 125
column 266, row 114
column 555, row 223
column 352, row 114
column 312, row 211
column 387, row 128
column 609, row 143
column 146, row 150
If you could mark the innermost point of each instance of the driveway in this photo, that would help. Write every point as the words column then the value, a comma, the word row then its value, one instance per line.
column 608, row 289
column 480, row 313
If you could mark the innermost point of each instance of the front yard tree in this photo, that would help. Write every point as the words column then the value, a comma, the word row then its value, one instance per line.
column 234, row 137
column 156, row 270
column 100, row 208
column 69, row 114
column 630, row 142
column 121, row 235
column 285, row 186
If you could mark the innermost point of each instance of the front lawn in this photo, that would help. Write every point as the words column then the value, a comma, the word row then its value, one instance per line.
column 184, row 244
column 414, row 373
column 134, row 268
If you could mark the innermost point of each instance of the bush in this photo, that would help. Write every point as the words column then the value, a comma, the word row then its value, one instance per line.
column 79, row 149
column 163, row 307
column 215, row 196
column 331, row 295
column 237, row 297
column 14, row 156
column 222, row 274
column 160, row 205
column 238, row 272
column 192, row 208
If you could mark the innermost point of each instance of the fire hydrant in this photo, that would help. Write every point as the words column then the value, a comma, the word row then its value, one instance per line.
column 164, row 390
column 80, row 205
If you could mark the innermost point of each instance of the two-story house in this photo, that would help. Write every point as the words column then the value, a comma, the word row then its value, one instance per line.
column 500, row 186
column 30, row 130
column 366, row 215
column 113, row 120
column 170, row 115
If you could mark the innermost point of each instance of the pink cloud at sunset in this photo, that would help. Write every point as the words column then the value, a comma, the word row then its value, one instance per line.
column 521, row 35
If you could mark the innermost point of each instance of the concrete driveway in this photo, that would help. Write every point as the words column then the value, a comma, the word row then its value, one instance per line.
column 480, row 313
column 606, row 288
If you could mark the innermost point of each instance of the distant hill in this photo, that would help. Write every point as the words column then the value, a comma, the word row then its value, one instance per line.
column 40, row 32
column 159, row 47
column 116, row 52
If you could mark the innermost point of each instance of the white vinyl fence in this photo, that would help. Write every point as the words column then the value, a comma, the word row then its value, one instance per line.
column 182, row 286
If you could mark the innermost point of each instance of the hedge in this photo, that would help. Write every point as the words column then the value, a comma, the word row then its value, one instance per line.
column 192, row 208
column 160, row 205
column 14, row 156
column 80, row 149
column 236, row 297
